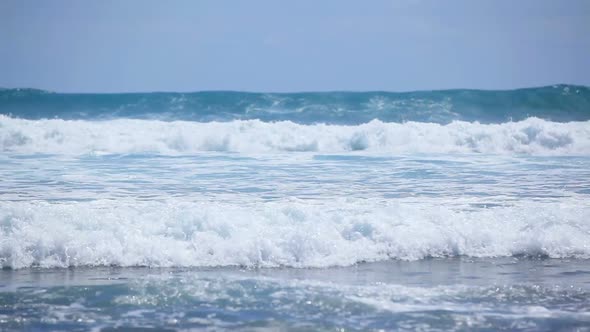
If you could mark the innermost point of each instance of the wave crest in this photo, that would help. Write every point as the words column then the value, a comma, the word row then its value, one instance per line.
column 125, row 136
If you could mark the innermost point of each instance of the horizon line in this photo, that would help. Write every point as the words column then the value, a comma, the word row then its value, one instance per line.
column 293, row 92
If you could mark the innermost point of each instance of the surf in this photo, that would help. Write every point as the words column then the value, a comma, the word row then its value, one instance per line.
column 289, row 232
column 532, row 136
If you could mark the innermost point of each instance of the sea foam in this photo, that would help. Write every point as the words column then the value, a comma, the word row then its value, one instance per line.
column 126, row 136
column 282, row 233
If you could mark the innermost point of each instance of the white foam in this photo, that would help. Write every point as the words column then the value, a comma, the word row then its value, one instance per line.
column 531, row 136
column 284, row 233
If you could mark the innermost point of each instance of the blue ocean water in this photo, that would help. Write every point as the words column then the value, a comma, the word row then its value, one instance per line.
column 431, row 210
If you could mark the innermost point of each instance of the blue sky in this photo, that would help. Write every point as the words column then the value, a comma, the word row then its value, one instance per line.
column 304, row 45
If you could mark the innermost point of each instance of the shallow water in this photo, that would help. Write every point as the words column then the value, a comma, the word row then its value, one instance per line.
column 288, row 220
column 432, row 295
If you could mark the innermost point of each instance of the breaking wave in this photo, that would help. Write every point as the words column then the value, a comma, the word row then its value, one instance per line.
column 284, row 233
column 127, row 136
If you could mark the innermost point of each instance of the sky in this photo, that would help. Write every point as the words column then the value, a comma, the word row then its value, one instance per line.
column 285, row 46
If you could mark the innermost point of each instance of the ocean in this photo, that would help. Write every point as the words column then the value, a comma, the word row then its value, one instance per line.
column 455, row 210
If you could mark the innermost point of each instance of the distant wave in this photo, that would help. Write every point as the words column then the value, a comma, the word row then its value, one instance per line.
column 531, row 136
column 559, row 103
column 287, row 233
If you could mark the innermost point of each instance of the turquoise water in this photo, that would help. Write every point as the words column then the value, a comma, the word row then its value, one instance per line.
column 557, row 103
column 441, row 210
